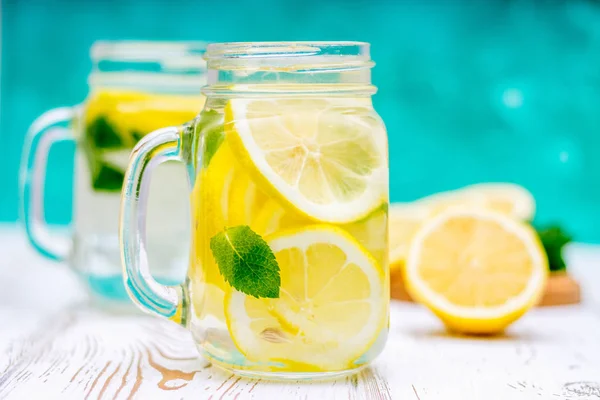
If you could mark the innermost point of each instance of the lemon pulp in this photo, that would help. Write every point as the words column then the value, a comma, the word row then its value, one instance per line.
column 478, row 270
column 331, row 308
column 325, row 160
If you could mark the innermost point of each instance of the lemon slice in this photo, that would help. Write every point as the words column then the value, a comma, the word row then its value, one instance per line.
column 404, row 221
column 442, row 201
column 245, row 200
column 210, row 208
column 324, row 158
column 477, row 270
column 372, row 233
column 507, row 198
column 273, row 217
column 207, row 286
column 332, row 305
column 269, row 219
column 141, row 112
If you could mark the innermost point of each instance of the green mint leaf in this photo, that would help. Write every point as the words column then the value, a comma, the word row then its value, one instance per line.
column 246, row 262
column 103, row 135
column 136, row 136
column 107, row 178
column 554, row 239
column 211, row 130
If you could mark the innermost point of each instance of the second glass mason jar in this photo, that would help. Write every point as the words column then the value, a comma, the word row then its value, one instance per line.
column 288, row 160
column 134, row 88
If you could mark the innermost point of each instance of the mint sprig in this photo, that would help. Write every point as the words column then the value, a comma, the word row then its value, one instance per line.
column 103, row 135
column 246, row 262
column 554, row 239
column 106, row 177
column 211, row 130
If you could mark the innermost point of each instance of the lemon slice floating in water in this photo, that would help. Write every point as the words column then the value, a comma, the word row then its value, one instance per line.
column 325, row 159
column 331, row 309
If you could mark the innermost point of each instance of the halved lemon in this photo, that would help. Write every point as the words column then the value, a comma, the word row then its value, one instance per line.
column 507, row 198
column 324, row 158
column 477, row 270
column 333, row 303
column 404, row 221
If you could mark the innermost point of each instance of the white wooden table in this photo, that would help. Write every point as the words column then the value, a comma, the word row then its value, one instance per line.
column 52, row 346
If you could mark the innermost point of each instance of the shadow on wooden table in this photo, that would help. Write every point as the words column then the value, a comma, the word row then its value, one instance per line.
column 425, row 333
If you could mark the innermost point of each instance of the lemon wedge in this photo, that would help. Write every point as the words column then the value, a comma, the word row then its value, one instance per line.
column 324, row 159
column 477, row 270
column 332, row 306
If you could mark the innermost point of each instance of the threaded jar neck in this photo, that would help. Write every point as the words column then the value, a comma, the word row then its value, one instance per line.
column 289, row 67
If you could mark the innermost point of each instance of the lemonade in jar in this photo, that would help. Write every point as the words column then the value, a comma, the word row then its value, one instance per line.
column 112, row 121
column 134, row 89
column 288, row 160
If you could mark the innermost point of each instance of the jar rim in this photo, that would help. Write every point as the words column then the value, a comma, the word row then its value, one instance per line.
column 149, row 51
column 253, row 49
column 166, row 66
column 294, row 55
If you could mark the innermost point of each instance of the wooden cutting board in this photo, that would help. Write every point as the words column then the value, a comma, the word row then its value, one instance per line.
column 561, row 289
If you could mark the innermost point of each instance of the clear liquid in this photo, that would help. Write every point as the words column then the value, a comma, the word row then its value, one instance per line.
column 225, row 195
column 96, row 253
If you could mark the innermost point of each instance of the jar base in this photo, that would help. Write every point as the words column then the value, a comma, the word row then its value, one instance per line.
column 282, row 376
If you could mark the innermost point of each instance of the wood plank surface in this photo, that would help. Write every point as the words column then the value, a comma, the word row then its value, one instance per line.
column 54, row 346
column 86, row 354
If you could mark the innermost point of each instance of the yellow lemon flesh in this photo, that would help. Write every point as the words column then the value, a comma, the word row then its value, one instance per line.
column 141, row 112
column 477, row 270
column 406, row 218
column 332, row 305
column 210, row 197
column 323, row 159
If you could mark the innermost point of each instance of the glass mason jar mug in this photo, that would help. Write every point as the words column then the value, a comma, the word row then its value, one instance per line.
column 135, row 88
column 288, row 161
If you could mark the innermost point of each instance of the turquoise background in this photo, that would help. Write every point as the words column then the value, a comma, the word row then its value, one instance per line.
column 501, row 91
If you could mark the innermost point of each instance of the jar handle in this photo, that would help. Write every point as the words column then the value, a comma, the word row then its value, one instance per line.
column 48, row 129
column 168, row 301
